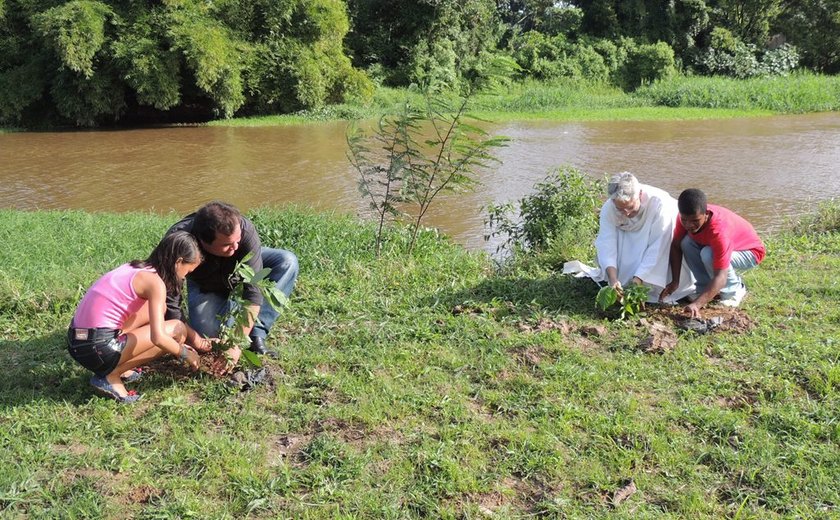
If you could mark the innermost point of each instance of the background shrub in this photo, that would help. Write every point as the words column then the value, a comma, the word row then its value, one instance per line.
column 557, row 223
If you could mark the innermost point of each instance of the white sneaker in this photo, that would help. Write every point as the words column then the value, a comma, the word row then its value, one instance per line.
column 735, row 299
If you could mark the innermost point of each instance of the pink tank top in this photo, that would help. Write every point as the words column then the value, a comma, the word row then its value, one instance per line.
column 110, row 300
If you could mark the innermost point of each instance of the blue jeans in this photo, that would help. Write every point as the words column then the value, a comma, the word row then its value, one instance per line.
column 205, row 308
column 699, row 260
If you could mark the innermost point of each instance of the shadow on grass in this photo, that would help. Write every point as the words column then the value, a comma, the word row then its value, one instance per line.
column 556, row 294
column 40, row 369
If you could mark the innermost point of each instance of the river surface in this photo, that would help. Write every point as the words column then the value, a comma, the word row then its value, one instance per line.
column 766, row 169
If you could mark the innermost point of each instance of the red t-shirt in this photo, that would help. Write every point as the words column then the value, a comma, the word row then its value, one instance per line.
column 725, row 232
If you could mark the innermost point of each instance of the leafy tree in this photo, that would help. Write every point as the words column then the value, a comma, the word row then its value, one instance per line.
column 424, row 41
column 814, row 27
column 750, row 20
column 545, row 16
column 89, row 61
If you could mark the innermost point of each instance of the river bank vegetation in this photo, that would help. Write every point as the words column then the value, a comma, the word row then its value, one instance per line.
column 100, row 62
column 426, row 385
column 678, row 98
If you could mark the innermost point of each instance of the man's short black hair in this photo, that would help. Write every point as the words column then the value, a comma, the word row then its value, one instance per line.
column 216, row 216
column 692, row 202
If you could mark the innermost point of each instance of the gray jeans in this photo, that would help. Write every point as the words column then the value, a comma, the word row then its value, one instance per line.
column 699, row 260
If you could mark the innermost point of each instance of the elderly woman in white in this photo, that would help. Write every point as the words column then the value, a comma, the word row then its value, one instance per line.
column 634, row 238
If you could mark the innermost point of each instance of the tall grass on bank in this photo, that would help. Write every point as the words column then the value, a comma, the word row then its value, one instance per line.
column 423, row 386
column 802, row 92
column 825, row 219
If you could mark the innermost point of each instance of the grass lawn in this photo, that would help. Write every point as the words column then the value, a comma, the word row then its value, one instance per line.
column 423, row 386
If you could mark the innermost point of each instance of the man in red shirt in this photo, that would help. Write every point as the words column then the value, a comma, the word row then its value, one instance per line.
column 716, row 243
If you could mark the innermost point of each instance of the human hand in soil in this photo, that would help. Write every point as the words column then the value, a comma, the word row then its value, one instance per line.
column 192, row 360
column 693, row 310
column 668, row 290
column 226, row 362
column 204, row 345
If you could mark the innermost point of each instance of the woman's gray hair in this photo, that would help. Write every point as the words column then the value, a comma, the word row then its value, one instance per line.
column 624, row 187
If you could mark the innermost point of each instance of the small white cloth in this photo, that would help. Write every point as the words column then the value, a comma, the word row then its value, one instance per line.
column 639, row 246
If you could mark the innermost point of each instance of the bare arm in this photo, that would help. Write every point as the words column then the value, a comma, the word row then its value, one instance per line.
column 717, row 283
column 675, row 261
column 150, row 287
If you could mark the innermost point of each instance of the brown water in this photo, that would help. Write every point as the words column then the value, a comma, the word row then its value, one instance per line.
column 763, row 168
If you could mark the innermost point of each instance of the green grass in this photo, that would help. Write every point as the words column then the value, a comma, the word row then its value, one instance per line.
column 679, row 98
column 422, row 386
column 799, row 93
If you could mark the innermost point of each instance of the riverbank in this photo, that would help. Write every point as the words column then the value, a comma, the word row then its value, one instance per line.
column 423, row 386
column 679, row 98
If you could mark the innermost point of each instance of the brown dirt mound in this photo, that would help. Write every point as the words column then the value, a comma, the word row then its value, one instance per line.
column 731, row 320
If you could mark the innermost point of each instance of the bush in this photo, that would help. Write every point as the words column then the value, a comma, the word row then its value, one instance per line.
column 729, row 56
column 646, row 64
column 552, row 57
column 557, row 223
column 85, row 62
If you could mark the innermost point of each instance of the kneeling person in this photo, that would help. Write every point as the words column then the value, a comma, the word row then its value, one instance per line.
column 226, row 237
column 634, row 237
column 717, row 244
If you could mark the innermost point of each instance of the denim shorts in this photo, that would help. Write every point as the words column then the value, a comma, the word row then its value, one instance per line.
column 98, row 350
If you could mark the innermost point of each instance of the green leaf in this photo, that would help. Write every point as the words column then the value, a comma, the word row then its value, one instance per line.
column 260, row 275
column 275, row 297
column 606, row 298
column 250, row 358
column 246, row 272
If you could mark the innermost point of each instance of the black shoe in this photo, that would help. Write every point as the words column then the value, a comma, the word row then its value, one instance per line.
column 258, row 347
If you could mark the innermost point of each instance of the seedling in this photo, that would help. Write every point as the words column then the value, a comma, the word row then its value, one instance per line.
column 631, row 302
column 237, row 318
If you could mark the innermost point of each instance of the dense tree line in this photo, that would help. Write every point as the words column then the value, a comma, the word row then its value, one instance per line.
column 88, row 62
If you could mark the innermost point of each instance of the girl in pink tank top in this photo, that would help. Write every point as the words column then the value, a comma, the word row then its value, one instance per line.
column 119, row 325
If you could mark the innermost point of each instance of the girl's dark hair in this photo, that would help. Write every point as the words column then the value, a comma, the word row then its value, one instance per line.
column 178, row 245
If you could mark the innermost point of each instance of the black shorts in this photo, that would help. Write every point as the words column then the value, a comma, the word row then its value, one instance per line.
column 98, row 350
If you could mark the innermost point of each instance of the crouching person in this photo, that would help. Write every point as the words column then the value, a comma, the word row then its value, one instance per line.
column 119, row 325
column 717, row 245
column 634, row 238
column 227, row 238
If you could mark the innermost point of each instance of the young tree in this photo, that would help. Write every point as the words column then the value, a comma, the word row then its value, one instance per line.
column 417, row 154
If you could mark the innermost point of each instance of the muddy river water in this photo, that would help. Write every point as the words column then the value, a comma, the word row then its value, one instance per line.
column 767, row 169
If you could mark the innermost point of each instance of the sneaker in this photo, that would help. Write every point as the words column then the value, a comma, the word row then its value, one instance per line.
column 735, row 299
column 105, row 389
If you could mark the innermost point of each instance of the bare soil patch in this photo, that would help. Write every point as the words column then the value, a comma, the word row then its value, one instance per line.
column 287, row 447
column 531, row 355
column 730, row 319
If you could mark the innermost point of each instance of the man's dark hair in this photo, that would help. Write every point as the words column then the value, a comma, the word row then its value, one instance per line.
column 215, row 217
column 692, row 202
